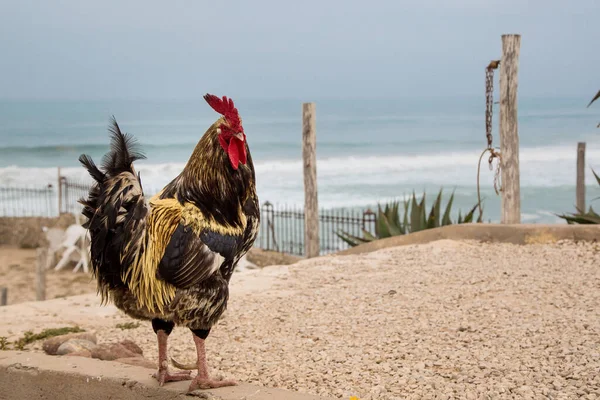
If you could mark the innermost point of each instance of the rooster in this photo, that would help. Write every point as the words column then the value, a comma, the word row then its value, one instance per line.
column 170, row 261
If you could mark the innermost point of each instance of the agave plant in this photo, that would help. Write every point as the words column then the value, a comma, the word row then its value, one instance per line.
column 596, row 97
column 582, row 217
column 589, row 217
column 416, row 218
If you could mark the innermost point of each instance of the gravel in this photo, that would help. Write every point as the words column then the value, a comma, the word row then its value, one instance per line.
column 443, row 320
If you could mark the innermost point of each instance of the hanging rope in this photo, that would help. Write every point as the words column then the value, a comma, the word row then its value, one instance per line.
column 494, row 152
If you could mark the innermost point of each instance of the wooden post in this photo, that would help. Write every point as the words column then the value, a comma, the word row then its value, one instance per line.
column 42, row 263
column 311, row 204
column 509, row 133
column 59, row 191
column 3, row 296
column 580, row 191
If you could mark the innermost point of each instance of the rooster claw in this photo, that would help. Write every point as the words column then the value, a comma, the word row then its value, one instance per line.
column 165, row 376
column 208, row 383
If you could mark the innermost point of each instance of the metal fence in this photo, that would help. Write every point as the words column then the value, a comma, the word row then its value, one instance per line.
column 281, row 230
column 21, row 201
column 70, row 193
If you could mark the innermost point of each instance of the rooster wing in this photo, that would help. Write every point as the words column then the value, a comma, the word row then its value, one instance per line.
column 190, row 257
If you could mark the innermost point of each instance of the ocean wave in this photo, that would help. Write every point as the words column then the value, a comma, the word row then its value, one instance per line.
column 66, row 153
column 540, row 167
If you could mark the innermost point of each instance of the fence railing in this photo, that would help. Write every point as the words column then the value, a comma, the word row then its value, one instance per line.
column 281, row 230
column 27, row 201
column 70, row 193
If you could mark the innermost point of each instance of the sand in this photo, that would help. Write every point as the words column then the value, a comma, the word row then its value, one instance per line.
column 440, row 320
column 17, row 273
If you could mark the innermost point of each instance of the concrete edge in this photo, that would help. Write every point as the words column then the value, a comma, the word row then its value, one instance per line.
column 27, row 375
column 516, row 234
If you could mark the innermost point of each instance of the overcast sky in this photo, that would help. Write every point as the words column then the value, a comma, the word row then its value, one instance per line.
column 280, row 48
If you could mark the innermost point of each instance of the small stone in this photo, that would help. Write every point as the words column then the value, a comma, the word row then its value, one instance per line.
column 378, row 390
column 200, row 394
column 82, row 353
column 131, row 346
column 75, row 345
column 51, row 345
column 556, row 385
column 112, row 351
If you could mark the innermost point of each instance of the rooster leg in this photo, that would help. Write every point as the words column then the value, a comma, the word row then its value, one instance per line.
column 202, row 380
column 163, row 330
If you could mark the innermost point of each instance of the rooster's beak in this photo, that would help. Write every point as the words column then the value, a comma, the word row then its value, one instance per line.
column 239, row 136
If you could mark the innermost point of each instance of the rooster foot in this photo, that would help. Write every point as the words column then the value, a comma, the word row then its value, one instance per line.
column 163, row 376
column 207, row 383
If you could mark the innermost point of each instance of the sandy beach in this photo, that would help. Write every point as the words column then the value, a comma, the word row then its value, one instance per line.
column 446, row 319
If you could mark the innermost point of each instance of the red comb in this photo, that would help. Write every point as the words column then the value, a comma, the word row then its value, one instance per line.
column 226, row 108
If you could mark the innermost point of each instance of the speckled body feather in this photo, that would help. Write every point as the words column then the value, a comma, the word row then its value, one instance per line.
column 171, row 258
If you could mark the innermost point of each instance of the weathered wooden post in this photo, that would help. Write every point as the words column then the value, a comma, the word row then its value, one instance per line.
column 311, row 204
column 580, row 190
column 59, row 192
column 42, row 263
column 3, row 296
column 509, row 132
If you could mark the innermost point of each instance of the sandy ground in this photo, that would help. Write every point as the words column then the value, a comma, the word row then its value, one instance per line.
column 17, row 273
column 441, row 320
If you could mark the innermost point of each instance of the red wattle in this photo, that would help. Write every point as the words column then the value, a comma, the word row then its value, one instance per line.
column 234, row 155
column 241, row 151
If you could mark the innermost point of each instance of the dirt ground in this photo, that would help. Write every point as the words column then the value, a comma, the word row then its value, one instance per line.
column 263, row 258
column 26, row 232
column 17, row 273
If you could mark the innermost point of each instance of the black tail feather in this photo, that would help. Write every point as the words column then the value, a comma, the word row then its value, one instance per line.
column 123, row 152
column 91, row 167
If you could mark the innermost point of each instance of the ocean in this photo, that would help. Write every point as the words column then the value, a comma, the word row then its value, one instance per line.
column 369, row 150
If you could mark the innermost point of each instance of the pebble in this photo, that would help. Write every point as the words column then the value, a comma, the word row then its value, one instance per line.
column 82, row 353
column 113, row 351
column 51, row 345
column 75, row 345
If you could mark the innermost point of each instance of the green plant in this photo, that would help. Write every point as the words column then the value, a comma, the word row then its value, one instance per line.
column 582, row 217
column 30, row 337
column 596, row 97
column 589, row 217
column 128, row 325
column 416, row 218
